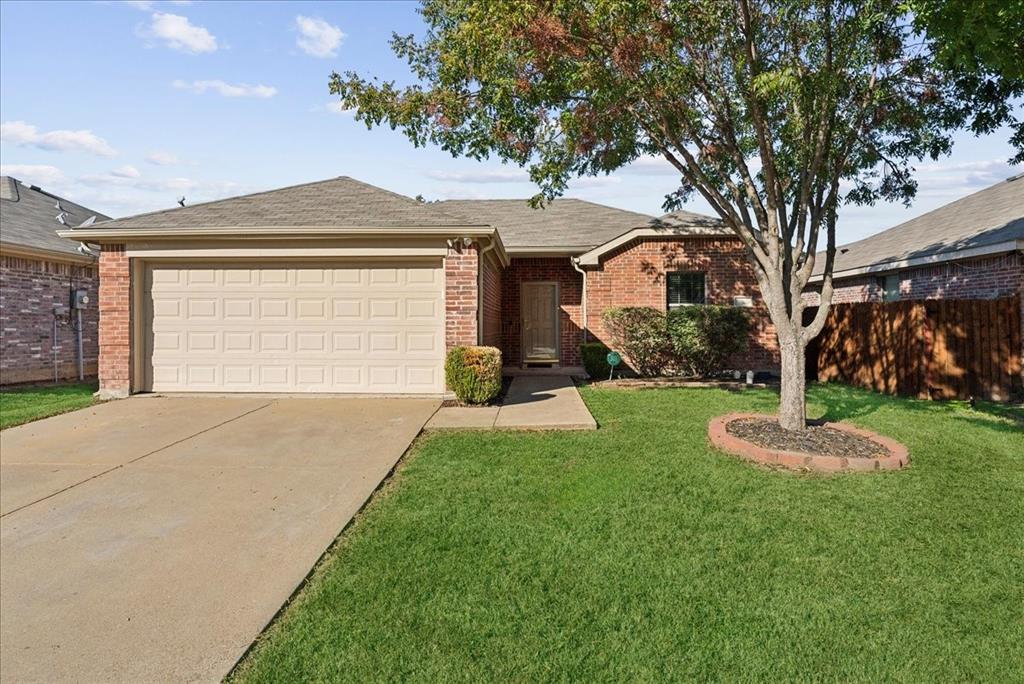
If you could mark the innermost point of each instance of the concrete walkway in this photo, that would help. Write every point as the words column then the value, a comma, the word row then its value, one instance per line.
column 533, row 402
column 152, row 539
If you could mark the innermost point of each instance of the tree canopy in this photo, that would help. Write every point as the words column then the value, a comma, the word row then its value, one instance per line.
column 774, row 111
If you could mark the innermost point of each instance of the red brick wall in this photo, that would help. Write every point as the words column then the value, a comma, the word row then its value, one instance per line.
column 492, row 281
column 460, row 269
column 634, row 275
column 570, row 318
column 985, row 277
column 115, row 321
column 29, row 291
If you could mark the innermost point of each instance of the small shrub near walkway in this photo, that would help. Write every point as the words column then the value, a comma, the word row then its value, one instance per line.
column 32, row 403
column 639, row 553
column 473, row 373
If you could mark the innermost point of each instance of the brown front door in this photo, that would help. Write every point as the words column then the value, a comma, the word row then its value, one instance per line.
column 540, row 322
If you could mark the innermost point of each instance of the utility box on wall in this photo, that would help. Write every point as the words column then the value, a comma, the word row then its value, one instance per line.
column 79, row 299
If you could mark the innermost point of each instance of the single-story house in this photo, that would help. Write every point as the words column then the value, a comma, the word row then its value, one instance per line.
column 340, row 286
column 967, row 249
column 39, row 276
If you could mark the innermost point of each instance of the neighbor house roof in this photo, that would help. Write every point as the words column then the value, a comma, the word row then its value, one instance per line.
column 570, row 225
column 990, row 220
column 28, row 218
column 341, row 202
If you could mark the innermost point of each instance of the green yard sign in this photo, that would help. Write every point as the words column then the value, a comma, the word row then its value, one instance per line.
column 613, row 359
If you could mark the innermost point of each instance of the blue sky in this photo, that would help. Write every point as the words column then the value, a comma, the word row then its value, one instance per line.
column 125, row 106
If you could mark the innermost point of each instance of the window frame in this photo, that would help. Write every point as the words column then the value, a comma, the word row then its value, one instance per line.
column 894, row 294
column 669, row 304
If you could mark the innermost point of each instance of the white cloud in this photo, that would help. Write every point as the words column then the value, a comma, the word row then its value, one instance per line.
column 33, row 174
column 317, row 38
column 21, row 133
column 162, row 158
column 178, row 33
column 651, row 166
column 339, row 108
column 483, row 176
column 147, row 5
column 594, row 182
column 126, row 171
column 953, row 180
column 227, row 89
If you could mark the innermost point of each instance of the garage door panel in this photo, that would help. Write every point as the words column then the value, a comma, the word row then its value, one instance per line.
column 296, row 328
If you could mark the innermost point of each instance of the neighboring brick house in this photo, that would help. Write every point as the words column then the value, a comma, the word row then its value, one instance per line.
column 972, row 248
column 339, row 286
column 967, row 249
column 39, row 271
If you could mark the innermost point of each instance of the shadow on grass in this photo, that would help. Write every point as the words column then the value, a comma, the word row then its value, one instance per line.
column 844, row 403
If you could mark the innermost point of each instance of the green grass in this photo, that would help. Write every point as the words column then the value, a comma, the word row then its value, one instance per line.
column 637, row 552
column 32, row 403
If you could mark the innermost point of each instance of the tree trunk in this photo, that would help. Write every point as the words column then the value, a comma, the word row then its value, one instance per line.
column 792, row 402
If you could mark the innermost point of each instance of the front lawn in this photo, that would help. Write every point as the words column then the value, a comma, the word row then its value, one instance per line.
column 32, row 403
column 638, row 553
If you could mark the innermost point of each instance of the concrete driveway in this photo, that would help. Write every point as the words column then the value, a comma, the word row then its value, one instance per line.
column 152, row 539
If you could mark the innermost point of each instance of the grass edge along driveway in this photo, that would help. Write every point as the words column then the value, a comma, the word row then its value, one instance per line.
column 23, row 405
column 638, row 552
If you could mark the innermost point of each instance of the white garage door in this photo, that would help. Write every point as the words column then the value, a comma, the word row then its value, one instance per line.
column 295, row 327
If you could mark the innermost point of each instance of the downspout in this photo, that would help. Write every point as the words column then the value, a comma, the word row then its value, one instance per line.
column 575, row 261
column 480, row 289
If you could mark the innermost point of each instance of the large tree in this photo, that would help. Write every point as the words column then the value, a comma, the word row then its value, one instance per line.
column 775, row 112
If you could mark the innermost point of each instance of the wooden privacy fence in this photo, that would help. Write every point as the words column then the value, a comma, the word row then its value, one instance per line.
column 943, row 349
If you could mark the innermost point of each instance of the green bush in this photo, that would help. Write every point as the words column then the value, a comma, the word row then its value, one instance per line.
column 595, row 360
column 703, row 337
column 473, row 373
column 640, row 333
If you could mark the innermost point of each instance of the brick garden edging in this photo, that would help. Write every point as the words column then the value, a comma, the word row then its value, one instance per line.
column 898, row 456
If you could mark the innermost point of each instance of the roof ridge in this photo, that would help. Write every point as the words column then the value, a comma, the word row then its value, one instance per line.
column 247, row 195
column 940, row 208
column 526, row 200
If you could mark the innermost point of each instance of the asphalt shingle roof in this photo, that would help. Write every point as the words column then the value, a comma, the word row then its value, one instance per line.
column 337, row 203
column 28, row 216
column 989, row 216
column 571, row 223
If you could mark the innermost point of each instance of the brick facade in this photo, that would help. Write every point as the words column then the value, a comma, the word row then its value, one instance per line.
column 570, row 310
column 634, row 275
column 460, row 272
column 986, row 277
column 30, row 289
column 492, row 278
column 115, row 322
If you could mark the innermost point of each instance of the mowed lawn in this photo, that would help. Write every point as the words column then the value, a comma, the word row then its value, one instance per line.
column 32, row 403
column 638, row 553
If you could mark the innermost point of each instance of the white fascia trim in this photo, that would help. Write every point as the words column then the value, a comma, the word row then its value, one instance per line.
column 593, row 257
column 881, row 267
column 545, row 251
column 113, row 235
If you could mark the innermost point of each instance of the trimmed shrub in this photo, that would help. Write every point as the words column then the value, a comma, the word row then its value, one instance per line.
column 640, row 333
column 595, row 360
column 473, row 373
column 703, row 337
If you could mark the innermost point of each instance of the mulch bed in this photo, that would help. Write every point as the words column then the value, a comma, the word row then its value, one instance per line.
column 816, row 439
column 830, row 448
column 665, row 382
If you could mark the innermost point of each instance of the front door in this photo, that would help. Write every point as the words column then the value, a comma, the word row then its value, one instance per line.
column 540, row 322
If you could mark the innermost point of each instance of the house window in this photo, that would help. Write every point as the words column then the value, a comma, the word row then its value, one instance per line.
column 684, row 289
column 891, row 287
